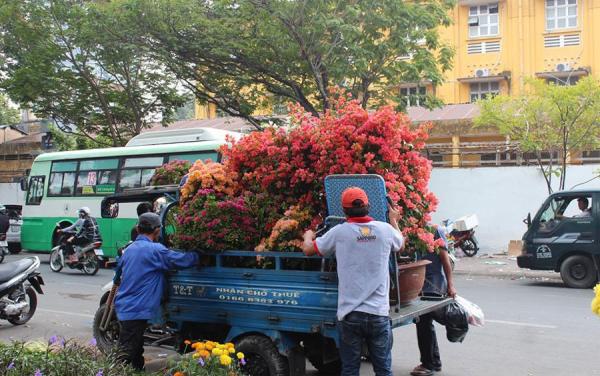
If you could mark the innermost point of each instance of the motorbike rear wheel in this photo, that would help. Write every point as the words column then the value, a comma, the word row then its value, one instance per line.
column 106, row 340
column 56, row 262
column 90, row 264
column 25, row 316
column 469, row 247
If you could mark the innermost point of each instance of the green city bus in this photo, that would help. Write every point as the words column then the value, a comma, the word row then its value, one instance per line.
column 62, row 182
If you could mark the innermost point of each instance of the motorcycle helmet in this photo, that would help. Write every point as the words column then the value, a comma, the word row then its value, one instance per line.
column 83, row 211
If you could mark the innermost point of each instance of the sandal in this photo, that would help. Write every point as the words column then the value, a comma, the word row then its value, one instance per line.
column 421, row 371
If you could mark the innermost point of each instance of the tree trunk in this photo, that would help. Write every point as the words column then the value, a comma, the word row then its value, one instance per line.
column 547, row 174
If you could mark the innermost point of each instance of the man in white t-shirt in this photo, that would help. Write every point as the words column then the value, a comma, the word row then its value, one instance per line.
column 583, row 203
column 362, row 249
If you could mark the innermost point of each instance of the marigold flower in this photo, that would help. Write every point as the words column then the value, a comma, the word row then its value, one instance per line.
column 225, row 360
column 240, row 355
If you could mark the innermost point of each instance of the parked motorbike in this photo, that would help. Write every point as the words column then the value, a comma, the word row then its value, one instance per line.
column 465, row 240
column 3, row 247
column 88, row 256
column 19, row 281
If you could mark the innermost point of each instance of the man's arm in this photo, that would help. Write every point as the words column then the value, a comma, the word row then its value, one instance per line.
column 447, row 265
column 394, row 217
column 308, row 246
column 73, row 226
column 178, row 260
column 323, row 246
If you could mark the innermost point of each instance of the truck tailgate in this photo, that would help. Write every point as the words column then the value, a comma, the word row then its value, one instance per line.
column 406, row 315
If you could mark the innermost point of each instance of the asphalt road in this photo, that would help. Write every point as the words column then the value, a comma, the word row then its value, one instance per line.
column 532, row 328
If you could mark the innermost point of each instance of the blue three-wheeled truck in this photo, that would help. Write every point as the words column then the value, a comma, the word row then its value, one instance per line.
column 276, row 316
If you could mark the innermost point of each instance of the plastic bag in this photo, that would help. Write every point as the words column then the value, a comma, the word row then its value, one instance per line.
column 475, row 315
column 454, row 318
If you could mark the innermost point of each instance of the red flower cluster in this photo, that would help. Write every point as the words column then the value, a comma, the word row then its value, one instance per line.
column 290, row 165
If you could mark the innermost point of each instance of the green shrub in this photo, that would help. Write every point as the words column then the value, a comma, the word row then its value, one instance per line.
column 58, row 358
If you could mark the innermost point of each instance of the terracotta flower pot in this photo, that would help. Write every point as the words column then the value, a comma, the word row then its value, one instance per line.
column 411, row 278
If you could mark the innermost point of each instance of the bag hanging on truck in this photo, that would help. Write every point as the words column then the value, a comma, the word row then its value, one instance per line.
column 455, row 319
column 475, row 314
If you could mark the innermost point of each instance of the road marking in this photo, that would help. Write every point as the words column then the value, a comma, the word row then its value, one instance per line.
column 98, row 286
column 87, row 316
column 515, row 323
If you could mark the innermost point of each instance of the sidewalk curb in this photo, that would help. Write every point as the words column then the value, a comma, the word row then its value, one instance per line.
column 510, row 274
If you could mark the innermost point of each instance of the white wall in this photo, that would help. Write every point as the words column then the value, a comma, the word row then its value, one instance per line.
column 10, row 193
column 500, row 196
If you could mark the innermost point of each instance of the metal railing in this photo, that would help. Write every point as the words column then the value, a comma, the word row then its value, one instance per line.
column 496, row 154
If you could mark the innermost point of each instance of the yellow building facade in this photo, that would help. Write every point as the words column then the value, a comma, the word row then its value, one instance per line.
column 498, row 45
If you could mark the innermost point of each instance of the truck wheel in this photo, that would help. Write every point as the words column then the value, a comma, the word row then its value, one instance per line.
column 331, row 368
column 578, row 272
column 262, row 357
column 315, row 348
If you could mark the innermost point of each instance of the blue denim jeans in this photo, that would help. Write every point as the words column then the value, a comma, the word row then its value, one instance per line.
column 376, row 332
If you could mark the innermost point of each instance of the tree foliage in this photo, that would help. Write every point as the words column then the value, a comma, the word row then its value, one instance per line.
column 8, row 115
column 557, row 120
column 242, row 55
column 64, row 140
column 64, row 61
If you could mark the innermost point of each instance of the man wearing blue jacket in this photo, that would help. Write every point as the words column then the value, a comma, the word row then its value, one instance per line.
column 143, row 268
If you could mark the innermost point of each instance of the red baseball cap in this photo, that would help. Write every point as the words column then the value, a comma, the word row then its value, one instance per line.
column 352, row 194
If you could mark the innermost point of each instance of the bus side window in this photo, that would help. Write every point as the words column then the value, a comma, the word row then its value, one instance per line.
column 36, row 190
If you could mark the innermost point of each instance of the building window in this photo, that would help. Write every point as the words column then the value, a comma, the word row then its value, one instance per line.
column 413, row 96
column 561, row 14
column 483, row 20
column 563, row 81
column 482, row 90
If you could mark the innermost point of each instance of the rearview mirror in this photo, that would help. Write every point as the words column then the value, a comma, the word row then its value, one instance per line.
column 109, row 209
column 23, row 184
column 527, row 220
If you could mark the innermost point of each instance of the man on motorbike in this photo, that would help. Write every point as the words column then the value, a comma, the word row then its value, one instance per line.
column 142, row 279
column 87, row 232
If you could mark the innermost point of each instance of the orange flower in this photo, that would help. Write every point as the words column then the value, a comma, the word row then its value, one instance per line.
column 187, row 342
column 179, row 374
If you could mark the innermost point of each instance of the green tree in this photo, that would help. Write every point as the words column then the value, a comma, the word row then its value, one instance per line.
column 8, row 115
column 242, row 55
column 558, row 120
column 62, row 60
column 66, row 140
column 186, row 111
